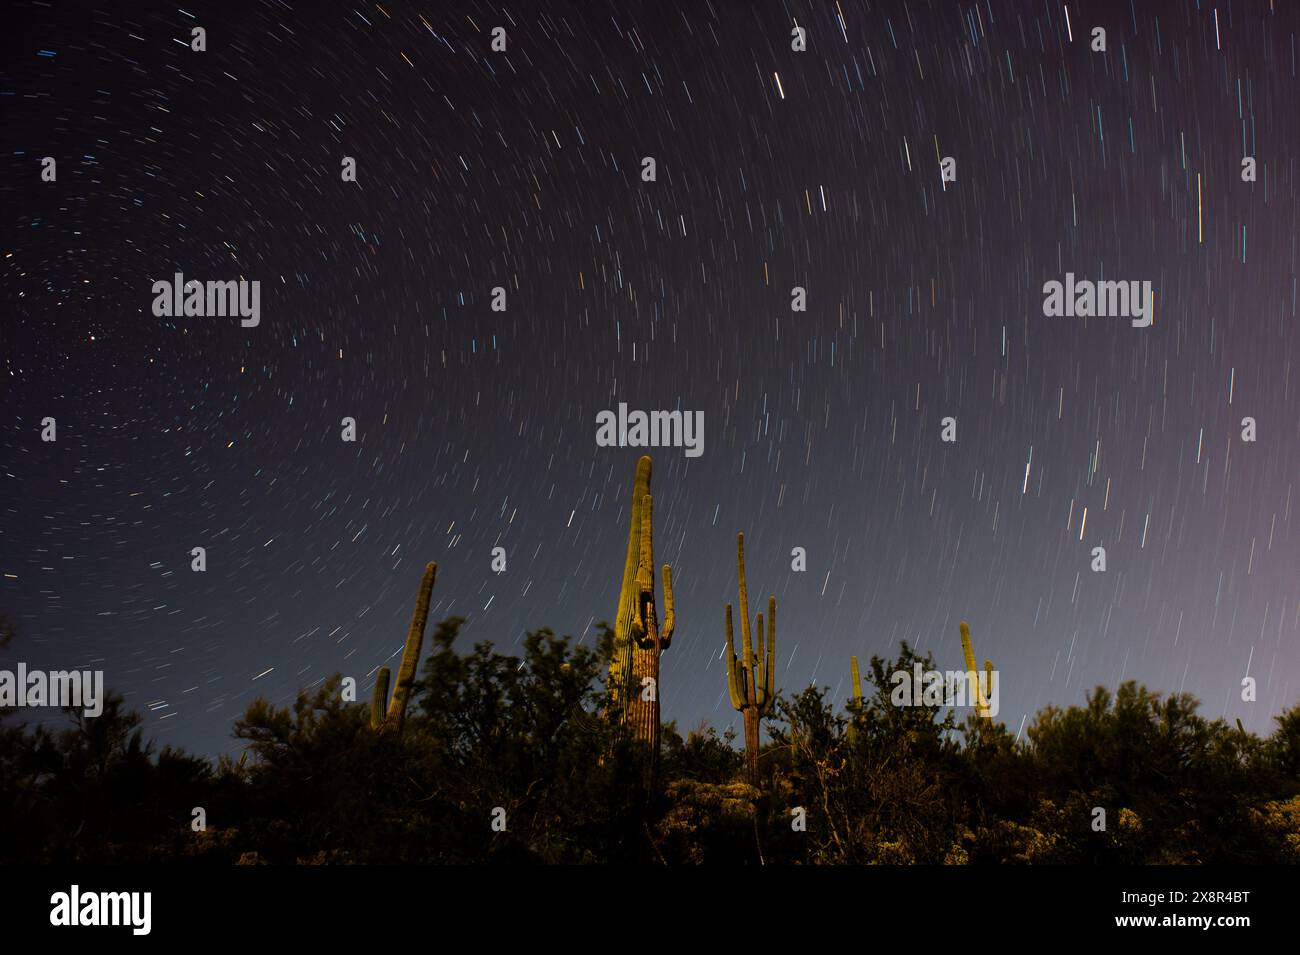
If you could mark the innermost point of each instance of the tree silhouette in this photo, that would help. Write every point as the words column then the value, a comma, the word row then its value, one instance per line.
column 513, row 759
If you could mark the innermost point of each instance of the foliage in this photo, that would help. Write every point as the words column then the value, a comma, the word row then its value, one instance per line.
column 527, row 735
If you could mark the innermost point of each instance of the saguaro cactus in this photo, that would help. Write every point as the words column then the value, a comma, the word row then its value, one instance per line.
column 391, row 720
column 857, row 696
column 620, row 667
column 749, row 678
column 638, row 638
column 972, row 674
column 649, row 639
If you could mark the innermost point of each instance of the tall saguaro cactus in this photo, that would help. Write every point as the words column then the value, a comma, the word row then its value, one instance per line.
column 391, row 720
column 620, row 667
column 650, row 640
column 972, row 674
column 638, row 637
column 749, row 677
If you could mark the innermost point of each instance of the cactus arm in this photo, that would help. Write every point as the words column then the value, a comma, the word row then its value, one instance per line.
column 670, row 619
column 733, row 684
column 988, row 685
column 972, row 670
column 379, row 699
column 642, row 624
column 746, row 642
column 744, row 601
column 769, row 664
column 645, row 578
column 411, row 652
column 966, row 647
column 856, row 708
column 747, row 662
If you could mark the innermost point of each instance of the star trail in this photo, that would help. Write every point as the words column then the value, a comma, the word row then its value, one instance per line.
column 499, row 271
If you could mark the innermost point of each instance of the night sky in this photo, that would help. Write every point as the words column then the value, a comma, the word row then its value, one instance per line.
column 476, row 428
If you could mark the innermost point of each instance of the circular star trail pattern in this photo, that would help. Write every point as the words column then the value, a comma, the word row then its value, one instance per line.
column 776, row 169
